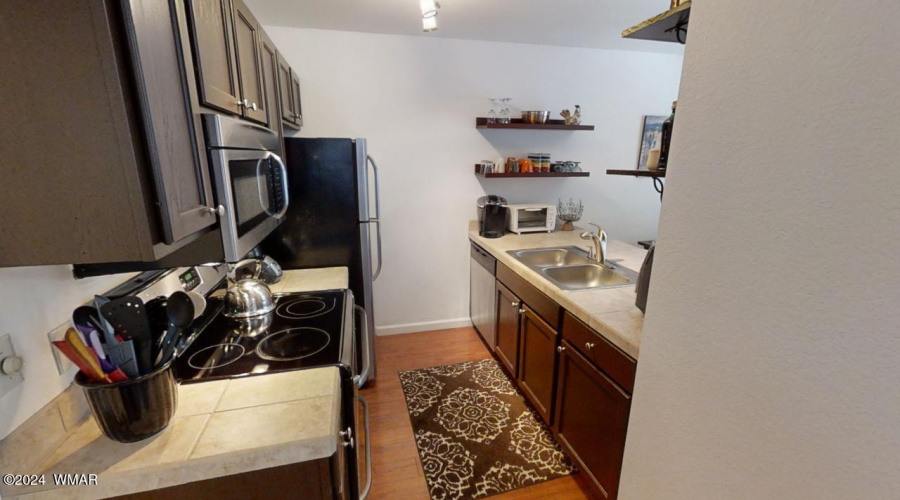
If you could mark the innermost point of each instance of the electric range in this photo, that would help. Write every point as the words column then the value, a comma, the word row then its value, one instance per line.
column 305, row 330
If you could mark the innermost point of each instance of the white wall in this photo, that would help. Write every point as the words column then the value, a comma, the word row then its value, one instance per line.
column 416, row 99
column 34, row 301
column 769, row 360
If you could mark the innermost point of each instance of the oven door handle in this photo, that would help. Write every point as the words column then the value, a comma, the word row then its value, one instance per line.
column 365, row 491
column 364, row 373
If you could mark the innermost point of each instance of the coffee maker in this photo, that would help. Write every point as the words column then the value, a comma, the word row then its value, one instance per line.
column 492, row 214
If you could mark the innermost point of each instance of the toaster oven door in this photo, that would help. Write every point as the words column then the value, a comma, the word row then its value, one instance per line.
column 535, row 218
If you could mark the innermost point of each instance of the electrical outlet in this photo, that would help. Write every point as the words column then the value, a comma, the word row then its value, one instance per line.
column 8, row 382
column 62, row 362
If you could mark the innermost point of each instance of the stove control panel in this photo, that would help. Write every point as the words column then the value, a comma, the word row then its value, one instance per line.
column 190, row 279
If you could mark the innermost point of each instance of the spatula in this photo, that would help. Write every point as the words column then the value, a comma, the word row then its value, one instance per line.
column 128, row 318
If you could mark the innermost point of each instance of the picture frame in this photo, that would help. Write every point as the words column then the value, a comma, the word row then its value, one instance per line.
column 651, row 137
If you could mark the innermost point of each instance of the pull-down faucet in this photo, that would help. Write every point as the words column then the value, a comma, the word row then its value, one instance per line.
column 598, row 249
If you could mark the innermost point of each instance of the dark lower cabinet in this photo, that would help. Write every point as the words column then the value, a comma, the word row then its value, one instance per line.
column 537, row 362
column 507, row 350
column 216, row 66
column 591, row 419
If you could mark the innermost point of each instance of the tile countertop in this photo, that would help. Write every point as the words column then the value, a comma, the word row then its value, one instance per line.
column 609, row 311
column 220, row 428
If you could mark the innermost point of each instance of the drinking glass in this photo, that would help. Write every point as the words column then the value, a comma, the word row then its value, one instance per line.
column 504, row 110
column 492, row 114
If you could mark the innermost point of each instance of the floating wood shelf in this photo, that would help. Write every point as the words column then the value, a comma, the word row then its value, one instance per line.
column 670, row 26
column 517, row 123
column 530, row 175
column 638, row 173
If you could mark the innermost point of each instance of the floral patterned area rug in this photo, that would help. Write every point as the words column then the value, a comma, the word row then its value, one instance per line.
column 475, row 434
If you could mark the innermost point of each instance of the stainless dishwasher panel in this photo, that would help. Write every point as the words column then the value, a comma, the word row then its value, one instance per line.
column 482, row 302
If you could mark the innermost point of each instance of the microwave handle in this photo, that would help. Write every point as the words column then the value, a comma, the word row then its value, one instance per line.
column 284, row 185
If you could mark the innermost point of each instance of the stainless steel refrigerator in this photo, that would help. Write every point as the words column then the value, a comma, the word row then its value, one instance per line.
column 333, row 220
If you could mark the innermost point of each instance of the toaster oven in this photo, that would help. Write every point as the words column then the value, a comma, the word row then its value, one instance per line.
column 532, row 218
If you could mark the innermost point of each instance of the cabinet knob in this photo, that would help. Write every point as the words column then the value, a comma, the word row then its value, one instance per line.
column 219, row 210
column 514, row 304
column 253, row 106
column 589, row 345
column 521, row 310
column 560, row 349
column 348, row 435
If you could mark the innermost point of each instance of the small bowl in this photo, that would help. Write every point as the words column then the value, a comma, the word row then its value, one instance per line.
column 535, row 117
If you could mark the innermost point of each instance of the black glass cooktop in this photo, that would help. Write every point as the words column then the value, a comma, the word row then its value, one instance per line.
column 305, row 330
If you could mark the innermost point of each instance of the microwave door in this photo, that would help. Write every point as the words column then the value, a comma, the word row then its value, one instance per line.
column 243, row 188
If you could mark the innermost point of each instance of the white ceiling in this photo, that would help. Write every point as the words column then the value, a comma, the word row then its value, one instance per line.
column 568, row 23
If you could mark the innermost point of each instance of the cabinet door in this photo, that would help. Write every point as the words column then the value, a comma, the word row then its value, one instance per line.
column 214, row 55
column 508, row 328
column 246, row 41
column 269, row 61
column 284, row 90
column 591, row 419
column 177, row 158
column 295, row 96
column 537, row 362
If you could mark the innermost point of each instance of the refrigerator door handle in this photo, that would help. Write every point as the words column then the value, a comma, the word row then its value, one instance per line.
column 377, row 190
column 364, row 373
column 378, row 246
column 377, row 219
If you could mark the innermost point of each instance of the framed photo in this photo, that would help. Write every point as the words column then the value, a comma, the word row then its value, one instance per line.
column 651, row 136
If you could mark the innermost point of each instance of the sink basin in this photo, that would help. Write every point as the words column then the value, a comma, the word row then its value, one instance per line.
column 585, row 276
column 570, row 269
column 550, row 257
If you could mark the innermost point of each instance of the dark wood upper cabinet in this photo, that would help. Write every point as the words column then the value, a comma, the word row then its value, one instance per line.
column 127, row 179
column 177, row 160
column 269, row 59
column 296, row 108
column 285, row 86
column 508, row 329
column 247, row 48
column 537, row 362
column 216, row 66
column 591, row 419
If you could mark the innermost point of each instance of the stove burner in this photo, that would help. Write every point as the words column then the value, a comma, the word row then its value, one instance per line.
column 225, row 355
column 292, row 344
column 305, row 307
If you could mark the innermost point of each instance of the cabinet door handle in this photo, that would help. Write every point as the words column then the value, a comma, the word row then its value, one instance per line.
column 589, row 345
column 561, row 348
column 521, row 310
column 253, row 106
column 514, row 304
column 219, row 210
column 242, row 103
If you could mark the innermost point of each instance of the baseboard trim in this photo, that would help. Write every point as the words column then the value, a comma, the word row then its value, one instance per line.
column 426, row 326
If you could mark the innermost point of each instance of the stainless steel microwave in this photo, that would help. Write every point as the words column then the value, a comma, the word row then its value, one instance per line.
column 251, row 182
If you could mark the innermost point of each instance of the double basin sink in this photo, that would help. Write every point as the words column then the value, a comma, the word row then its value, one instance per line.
column 570, row 269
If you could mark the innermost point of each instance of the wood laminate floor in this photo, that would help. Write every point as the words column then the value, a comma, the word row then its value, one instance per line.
column 396, row 470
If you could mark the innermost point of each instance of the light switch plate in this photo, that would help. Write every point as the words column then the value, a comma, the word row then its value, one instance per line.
column 62, row 362
column 8, row 382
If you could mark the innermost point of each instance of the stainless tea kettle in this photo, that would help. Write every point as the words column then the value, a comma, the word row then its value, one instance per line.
column 247, row 297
